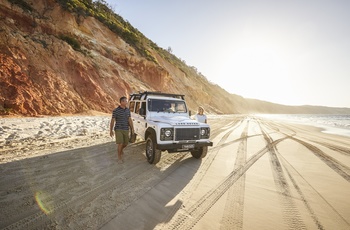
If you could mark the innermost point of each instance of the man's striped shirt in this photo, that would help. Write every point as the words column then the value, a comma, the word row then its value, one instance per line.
column 122, row 118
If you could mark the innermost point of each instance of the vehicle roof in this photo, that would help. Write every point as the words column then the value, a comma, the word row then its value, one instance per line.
column 164, row 98
column 158, row 98
column 146, row 94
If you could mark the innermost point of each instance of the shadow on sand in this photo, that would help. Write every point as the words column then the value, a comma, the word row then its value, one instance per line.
column 159, row 204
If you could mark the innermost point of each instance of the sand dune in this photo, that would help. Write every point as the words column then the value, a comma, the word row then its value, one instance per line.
column 260, row 174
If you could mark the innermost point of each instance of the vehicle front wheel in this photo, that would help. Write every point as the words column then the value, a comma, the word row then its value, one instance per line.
column 152, row 154
column 200, row 152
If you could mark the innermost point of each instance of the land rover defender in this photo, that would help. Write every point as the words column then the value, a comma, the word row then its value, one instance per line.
column 163, row 121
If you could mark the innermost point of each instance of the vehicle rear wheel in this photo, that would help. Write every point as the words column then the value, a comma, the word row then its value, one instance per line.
column 152, row 154
column 200, row 152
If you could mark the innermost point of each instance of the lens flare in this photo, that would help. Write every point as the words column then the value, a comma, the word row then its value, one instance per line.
column 42, row 199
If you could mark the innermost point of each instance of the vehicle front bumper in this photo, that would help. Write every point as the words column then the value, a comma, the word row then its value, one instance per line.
column 178, row 147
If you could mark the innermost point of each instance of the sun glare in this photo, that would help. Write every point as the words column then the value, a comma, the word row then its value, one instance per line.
column 259, row 70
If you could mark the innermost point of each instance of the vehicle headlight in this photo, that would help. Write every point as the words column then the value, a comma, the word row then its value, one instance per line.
column 205, row 133
column 166, row 134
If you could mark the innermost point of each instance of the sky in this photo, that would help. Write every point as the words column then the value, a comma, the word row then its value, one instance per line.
column 291, row 52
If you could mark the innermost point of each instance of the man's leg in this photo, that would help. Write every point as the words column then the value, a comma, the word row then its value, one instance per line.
column 120, row 152
column 119, row 141
column 124, row 140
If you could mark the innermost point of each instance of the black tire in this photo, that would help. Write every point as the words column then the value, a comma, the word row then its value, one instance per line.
column 152, row 154
column 200, row 152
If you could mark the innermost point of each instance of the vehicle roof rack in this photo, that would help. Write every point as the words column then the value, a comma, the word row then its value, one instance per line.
column 143, row 95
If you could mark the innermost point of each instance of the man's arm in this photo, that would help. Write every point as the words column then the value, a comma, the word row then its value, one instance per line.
column 111, row 125
column 131, row 124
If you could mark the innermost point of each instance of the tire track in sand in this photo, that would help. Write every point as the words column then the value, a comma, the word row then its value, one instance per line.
column 294, row 176
column 187, row 218
column 339, row 149
column 192, row 186
column 233, row 212
column 288, row 168
column 338, row 167
column 291, row 214
column 330, row 161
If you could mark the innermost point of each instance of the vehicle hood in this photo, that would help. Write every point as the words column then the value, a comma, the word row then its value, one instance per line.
column 175, row 120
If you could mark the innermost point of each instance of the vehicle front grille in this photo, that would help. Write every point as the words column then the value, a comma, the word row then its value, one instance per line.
column 183, row 134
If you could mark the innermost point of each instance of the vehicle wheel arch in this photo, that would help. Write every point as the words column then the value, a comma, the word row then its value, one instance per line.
column 150, row 131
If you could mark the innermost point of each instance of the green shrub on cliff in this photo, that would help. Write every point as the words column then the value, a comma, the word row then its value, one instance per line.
column 71, row 41
column 102, row 11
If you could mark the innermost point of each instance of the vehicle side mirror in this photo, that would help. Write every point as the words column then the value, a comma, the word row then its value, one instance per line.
column 190, row 113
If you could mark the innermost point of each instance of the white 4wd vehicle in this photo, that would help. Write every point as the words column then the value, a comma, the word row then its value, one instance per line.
column 163, row 120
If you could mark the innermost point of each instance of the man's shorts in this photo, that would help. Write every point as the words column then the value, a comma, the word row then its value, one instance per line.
column 122, row 137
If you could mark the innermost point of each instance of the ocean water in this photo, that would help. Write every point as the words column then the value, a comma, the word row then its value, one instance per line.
column 336, row 124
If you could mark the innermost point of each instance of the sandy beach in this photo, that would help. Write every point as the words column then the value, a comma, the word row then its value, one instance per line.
column 260, row 174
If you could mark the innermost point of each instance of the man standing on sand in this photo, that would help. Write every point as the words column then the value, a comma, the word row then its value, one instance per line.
column 121, row 122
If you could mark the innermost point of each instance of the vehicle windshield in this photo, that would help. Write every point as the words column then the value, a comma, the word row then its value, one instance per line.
column 170, row 106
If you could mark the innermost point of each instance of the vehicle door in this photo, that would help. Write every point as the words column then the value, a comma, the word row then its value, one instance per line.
column 142, row 119
column 136, row 117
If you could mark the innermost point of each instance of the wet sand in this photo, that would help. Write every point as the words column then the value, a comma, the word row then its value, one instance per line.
column 260, row 174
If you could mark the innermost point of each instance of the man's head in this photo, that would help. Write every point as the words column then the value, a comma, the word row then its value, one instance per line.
column 123, row 101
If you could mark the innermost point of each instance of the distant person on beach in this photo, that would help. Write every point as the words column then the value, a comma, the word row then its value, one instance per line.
column 200, row 116
column 120, row 124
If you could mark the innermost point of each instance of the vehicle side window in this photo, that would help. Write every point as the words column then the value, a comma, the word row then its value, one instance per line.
column 137, row 107
column 143, row 109
column 132, row 106
column 154, row 105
